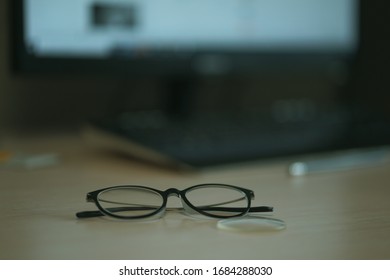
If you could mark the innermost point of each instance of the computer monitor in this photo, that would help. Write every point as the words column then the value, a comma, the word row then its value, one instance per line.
column 177, row 40
column 181, row 38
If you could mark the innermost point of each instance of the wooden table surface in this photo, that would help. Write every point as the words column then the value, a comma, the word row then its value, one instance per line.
column 335, row 215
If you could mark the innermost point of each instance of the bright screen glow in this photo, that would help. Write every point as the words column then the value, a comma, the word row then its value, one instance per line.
column 97, row 28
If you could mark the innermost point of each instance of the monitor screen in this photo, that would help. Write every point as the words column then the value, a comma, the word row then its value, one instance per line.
column 203, row 36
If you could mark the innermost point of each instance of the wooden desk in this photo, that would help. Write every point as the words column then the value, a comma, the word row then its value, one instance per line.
column 341, row 215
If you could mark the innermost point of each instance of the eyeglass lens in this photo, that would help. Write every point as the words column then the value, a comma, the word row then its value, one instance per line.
column 130, row 202
column 216, row 200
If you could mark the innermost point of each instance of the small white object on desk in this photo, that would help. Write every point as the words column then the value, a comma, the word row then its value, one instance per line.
column 341, row 161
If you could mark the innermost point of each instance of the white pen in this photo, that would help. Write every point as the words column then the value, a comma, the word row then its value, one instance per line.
column 351, row 159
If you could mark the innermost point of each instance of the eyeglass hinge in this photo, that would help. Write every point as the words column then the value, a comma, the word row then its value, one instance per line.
column 89, row 198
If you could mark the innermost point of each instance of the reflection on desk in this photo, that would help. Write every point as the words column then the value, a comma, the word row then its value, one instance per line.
column 340, row 215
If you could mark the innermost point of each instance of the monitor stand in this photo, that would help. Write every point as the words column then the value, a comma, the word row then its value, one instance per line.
column 179, row 95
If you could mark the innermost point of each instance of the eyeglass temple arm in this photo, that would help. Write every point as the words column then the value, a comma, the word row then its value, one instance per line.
column 240, row 209
column 261, row 209
column 97, row 213
column 89, row 214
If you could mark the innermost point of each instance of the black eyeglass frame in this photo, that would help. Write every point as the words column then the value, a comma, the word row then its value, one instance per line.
column 249, row 195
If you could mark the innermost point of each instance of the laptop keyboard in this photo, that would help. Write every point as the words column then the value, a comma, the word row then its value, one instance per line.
column 217, row 139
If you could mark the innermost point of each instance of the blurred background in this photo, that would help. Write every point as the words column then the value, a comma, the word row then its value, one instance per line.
column 50, row 101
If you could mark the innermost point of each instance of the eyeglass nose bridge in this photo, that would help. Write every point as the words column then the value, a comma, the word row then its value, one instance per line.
column 172, row 192
column 178, row 193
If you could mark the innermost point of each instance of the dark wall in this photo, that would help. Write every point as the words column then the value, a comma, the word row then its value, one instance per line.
column 372, row 76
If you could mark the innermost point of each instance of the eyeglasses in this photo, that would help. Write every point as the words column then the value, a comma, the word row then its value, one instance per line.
column 138, row 202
